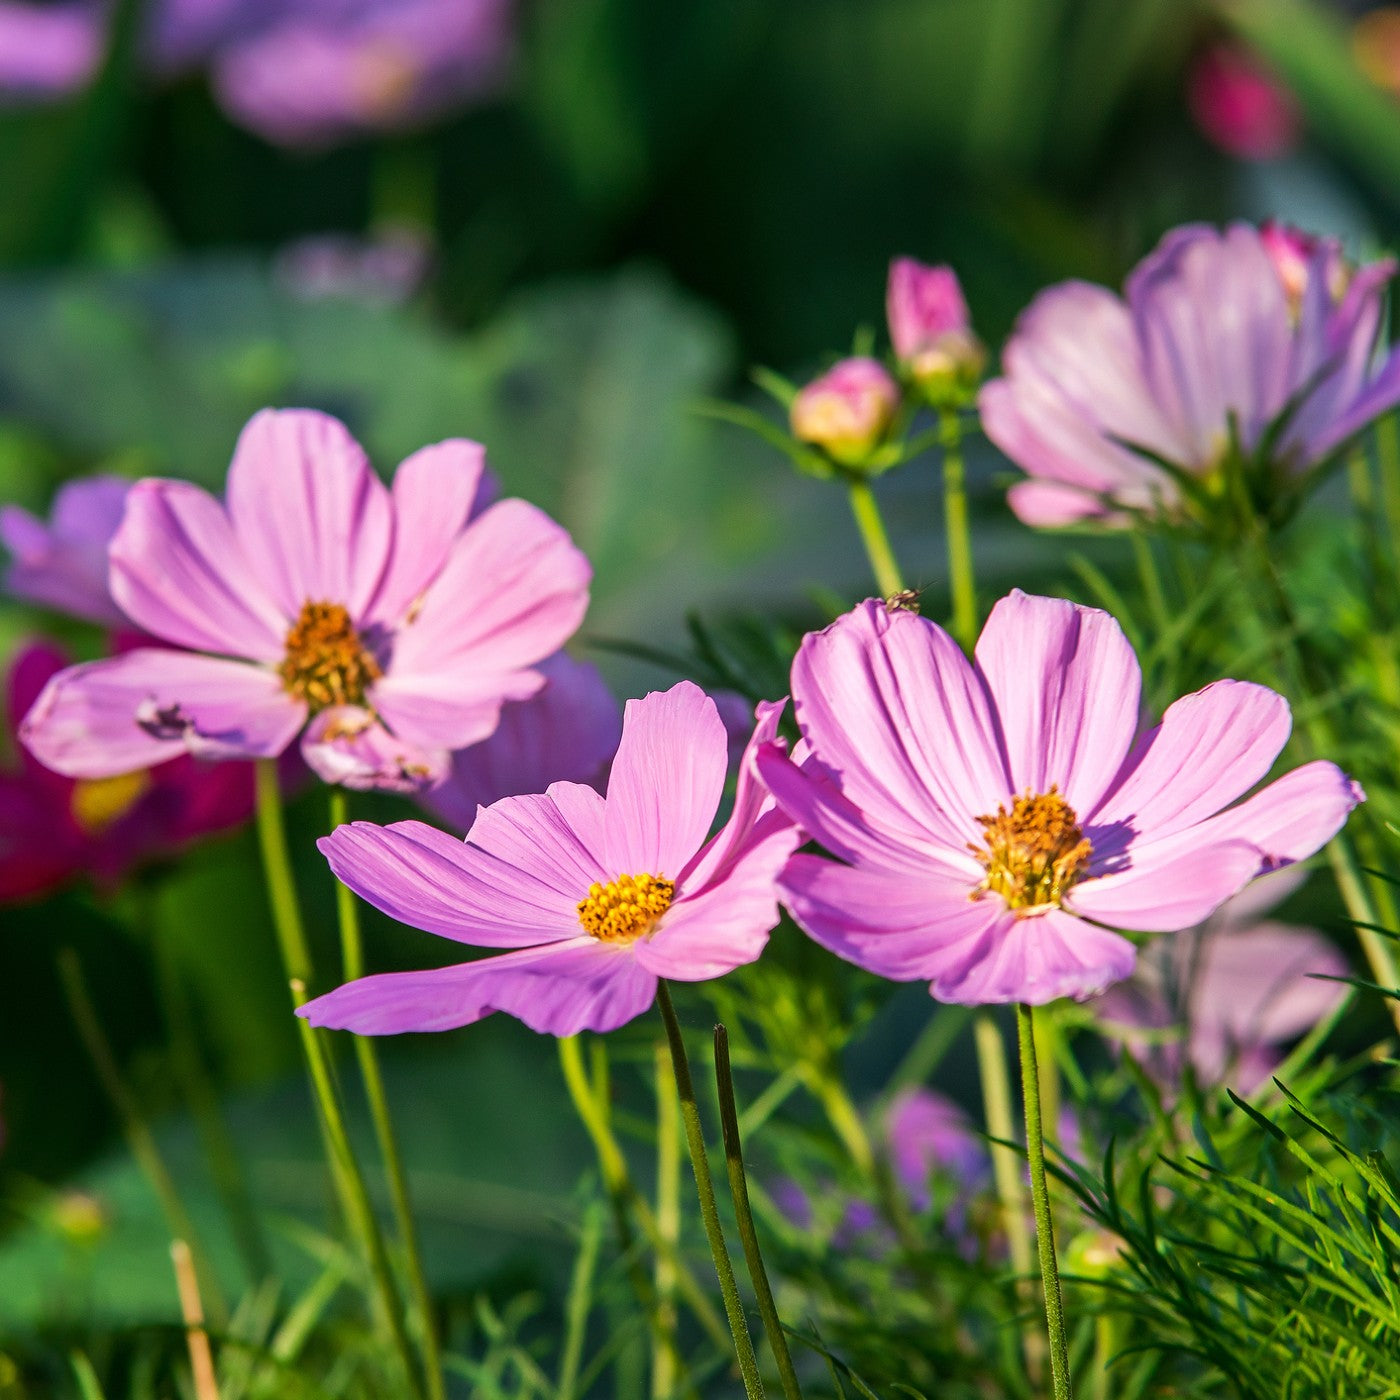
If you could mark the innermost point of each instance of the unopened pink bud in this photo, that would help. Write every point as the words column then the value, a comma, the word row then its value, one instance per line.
column 1239, row 106
column 931, row 331
column 847, row 410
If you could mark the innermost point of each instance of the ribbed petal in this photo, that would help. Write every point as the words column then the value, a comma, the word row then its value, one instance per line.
column 898, row 718
column 582, row 985
column 1048, row 505
column 313, row 519
column 1210, row 748
column 666, row 782
column 1067, row 690
column 423, row 877
column 178, row 571
column 133, row 711
column 450, row 709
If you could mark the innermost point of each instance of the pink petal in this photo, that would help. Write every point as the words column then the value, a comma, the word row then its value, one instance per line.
column 308, row 510
column 666, row 782
column 1210, row 747
column 346, row 744
column 1038, row 960
column 512, row 592
column 1168, row 884
column 897, row 717
column 581, row 985
column 1291, row 818
column 435, row 492
column 178, row 571
column 1067, row 688
column 134, row 710
column 452, row 709
column 1048, row 505
column 430, row 880
column 554, row 840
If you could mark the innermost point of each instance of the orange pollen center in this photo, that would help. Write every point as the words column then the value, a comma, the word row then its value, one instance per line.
column 625, row 909
column 326, row 662
column 1033, row 853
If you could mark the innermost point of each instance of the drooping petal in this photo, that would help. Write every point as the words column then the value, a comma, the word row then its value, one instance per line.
column 134, row 710
column 581, row 985
column 666, row 781
column 423, row 877
column 1210, row 748
column 309, row 512
column 1049, row 505
column 1067, row 689
column 435, row 492
column 1169, row 884
column 898, row 718
column 177, row 570
column 347, row 745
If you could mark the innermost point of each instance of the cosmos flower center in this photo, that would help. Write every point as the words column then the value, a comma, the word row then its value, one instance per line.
column 98, row 802
column 1034, row 853
column 625, row 909
column 326, row 662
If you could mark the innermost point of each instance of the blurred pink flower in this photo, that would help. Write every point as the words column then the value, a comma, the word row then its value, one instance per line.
column 1238, row 987
column 930, row 329
column 62, row 563
column 384, row 270
column 1239, row 105
column 1214, row 347
column 996, row 820
column 598, row 896
column 398, row 623
column 47, row 52
column 847, row 410
column 54, row 829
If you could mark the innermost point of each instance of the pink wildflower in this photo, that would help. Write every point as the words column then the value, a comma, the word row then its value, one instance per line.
column 931, row 330
column 599, row 896
column 397, row 623
column 847, row 410
column 998, row 821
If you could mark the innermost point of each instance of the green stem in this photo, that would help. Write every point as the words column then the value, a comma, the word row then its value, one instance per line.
column 705, row 1189
column 356, row 1196
column 1150, row 577
column 352, row 954
column 743, row 1213
column 277, row 866
column 1040, row 1199
column 140, row 1140
column 872, row 534
column 961, row 579
column 1388, row 460
column 1006, row 1162
column 668, row 1222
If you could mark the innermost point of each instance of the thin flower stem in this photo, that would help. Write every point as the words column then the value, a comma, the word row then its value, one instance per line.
column 277, row 867
column 357, row 1201
column 352, row 954
column 139, row 1139
column 668, row 1223
column 202, row 1372
column 873, row 536
column 743, row 1214
column 705, row 1189
column 961, row 577
column 1001, row 1124
column 1150, row 577
column 1040, row 1198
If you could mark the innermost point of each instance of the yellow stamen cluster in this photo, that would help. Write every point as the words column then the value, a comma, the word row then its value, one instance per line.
column 326, row 662
column 1033, row 853
column 625, row 909
column 98, row 802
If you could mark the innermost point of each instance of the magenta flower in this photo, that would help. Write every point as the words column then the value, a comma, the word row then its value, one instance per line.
column 1240, row 106
column 568, row 732
column 398, row 623
column 1239, row 986
column 931, row 330
column 598, row 896
column 997, row 822
column 54, row 829
column 847, row 411
column 62, row 564
column 1216, row 362
column 47, row 51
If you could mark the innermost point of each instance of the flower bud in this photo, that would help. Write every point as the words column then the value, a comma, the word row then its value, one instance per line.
column 1239, row 106
column 847, row 411
column 931, row 331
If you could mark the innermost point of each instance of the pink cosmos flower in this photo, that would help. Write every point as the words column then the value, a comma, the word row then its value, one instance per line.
column 1240, row 986
column 997, row 821
column 847, row 410
column 930, row 328
column 598, row 896
column 568, row 732
column 62, row 564
column 1240, row 106
column 48, row 51
column 396, row 623
column 1220, row 349
column 53, row 829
